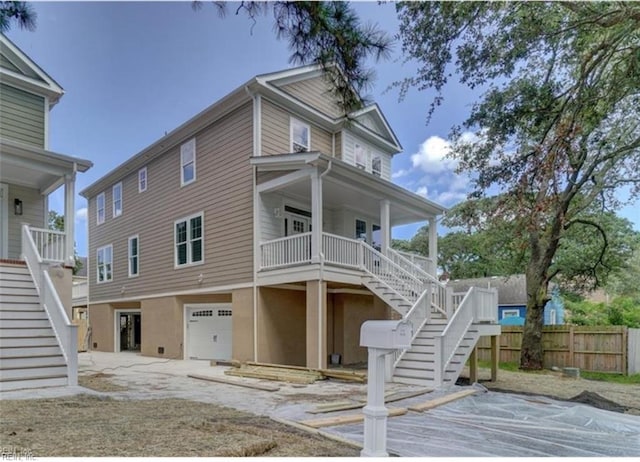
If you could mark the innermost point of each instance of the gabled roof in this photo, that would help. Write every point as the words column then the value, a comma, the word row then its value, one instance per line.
column 18, row 70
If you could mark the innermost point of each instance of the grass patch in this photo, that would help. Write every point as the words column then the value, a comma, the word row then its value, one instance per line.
column 613, row 378
column 512, row 367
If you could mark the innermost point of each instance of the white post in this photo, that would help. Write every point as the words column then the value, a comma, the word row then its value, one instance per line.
column 385, row 225
column 433, row 245
column 316, row 216
column 375, row 414
column 69, row 218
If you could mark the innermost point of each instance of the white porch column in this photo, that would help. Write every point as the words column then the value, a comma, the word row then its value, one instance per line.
column 385, row 225
column 69, row 217
column 433, row 244
column 316, row 216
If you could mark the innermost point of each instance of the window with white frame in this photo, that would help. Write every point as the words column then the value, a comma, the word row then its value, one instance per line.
column 100, row 214
column 142, row 179
column 104, row 264
column 188, row 162
column 552, row 317
column 117, row 200
column 376, row 166
column 300, row 136
column 134, row 256
column 510, row 314
column 361, row 229
column 189, row 240
column 360, row 154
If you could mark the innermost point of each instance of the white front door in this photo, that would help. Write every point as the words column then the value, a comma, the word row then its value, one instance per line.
column 209, row 331
column 4, row 220
column 297, row 224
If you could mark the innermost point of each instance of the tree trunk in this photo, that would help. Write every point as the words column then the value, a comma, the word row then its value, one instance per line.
column 531, row 352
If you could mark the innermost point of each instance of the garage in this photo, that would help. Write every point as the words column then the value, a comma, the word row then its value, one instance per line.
column 208, row 331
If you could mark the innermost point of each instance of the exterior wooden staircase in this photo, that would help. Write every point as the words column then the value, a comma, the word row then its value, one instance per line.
column 446, row 326
column 38, row 344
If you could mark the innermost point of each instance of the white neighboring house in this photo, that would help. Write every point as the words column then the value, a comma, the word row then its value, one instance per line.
column 37, row 340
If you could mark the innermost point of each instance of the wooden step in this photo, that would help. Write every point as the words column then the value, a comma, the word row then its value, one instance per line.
column 18, row 291
column 19, row 299
column 6, row 314
column 414, row 381
column 415, row 364
column 41, row 382
column 412, row 355
column 15, row 342
column 15, row 332
column 32, row 372
column 22, row 306
column 26, row 351
column 25, row 323
column 22, row 362
column 414, row 373
column 23, row 283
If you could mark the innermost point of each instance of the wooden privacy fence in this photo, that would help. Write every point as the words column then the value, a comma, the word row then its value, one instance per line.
column 591, row 348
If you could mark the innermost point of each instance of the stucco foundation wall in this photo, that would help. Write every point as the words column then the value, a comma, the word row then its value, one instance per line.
column 242, row 308
column 281, row 326
column 162, row 327
column 349, row 312
column 101, row 322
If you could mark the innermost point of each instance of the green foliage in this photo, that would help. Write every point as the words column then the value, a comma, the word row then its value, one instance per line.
column 56, row 222
column 20, row 12
column 633, row 379
column 621, row 311
column 326, row 33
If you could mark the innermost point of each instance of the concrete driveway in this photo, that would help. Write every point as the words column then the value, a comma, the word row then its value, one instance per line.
column 485, row 424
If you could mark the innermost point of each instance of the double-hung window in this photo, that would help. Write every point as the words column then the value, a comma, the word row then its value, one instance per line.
column 376, row 166
column 142, row 179
column 300, row 136
column 100, row 215
column 188, row 162
column 189, row 248
column 105, row 264
column 134, row 256
column 117, row 200
column 360, row 156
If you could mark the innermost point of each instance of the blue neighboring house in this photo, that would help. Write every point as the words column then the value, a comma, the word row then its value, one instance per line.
column 512, row 298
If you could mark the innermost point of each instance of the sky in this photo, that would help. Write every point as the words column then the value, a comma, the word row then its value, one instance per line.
column 132, row 71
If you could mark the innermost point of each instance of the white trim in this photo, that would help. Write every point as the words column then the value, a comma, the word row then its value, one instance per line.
column 104, row 208
column 4, row 220
column 117, row 213
column 285, row 180
column 146, row 179
column 190, row 261
column 46, row 122
column 205, row 290
column 191, row 144
column 116, row 325
column 257, row 126
column 129, row 256
column 511, row 312
column 292, row 121
column 98, row 281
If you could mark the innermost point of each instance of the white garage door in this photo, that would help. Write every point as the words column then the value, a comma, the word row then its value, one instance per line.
column 209, row 331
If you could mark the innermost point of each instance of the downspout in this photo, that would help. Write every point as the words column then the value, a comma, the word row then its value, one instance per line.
column 320, row 330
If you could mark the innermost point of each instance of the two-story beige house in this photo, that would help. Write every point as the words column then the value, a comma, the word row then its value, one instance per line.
column 260, row 230
column 37, row 342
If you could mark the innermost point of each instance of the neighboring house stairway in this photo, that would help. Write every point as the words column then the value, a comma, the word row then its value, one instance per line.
column 30, row 355
column 446, row 325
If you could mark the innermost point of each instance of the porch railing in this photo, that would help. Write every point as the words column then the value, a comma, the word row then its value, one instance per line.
column 66, row 333
column 340, row 250
column 50, row 244
column 426, row 264
column 286, row 251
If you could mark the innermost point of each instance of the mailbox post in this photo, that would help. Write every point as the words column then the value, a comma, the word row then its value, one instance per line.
column 381, row 338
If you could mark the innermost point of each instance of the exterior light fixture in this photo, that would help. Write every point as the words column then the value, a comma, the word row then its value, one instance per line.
column 17, row 206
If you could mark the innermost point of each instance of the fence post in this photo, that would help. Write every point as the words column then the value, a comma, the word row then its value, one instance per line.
column 625, row 345
column 572, row 360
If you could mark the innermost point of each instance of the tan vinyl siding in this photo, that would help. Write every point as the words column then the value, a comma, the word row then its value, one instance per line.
column 276, row 133
column 21, row 116
column 338, row 145
column 222, row 190
column 316, row 93
column 32, row 214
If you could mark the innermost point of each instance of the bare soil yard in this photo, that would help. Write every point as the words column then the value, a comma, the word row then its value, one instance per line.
column 89, row 426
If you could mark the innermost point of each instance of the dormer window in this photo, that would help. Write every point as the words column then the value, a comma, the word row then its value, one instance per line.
column 300, row 136
column 361, row 156
column 376, row 166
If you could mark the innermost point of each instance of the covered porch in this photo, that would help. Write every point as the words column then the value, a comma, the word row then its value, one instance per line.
column 316, row 214
column 28, row 175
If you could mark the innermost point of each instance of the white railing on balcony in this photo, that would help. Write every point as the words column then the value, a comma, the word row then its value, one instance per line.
column 50, row 244
column 485, row 305
column 340, row 250
column 418, row 316
column 426, row 264
column 456, row 299
column 66, row 333
column 451, row 337
column 286, row 251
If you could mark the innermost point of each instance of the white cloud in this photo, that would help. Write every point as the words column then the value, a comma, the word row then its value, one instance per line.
column 449, row 198
column 81, row 214
column 431, row 156
column 422, row 191
column 400, row 173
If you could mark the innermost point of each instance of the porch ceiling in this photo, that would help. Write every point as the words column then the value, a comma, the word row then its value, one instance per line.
column 37, row 168
column 345, row 186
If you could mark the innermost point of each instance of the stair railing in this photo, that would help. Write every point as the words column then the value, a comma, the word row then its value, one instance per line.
column 451, row 337
column 418, row 316
column 65, row 332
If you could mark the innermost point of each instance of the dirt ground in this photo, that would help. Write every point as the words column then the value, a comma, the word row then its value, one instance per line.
column 556, row 385
column 90, row 426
